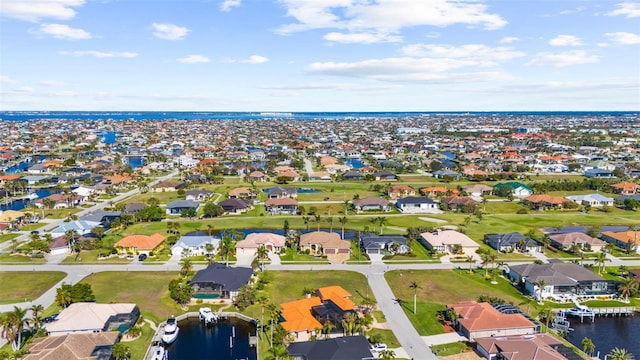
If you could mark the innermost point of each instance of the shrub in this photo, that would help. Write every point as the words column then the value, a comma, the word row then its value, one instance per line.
column 522, row 211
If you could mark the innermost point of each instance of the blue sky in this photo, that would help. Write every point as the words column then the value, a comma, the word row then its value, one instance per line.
column 319, row 55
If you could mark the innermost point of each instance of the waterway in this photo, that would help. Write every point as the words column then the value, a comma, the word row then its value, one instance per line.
column 20, row 204
column 195, row 341
column 607, row 333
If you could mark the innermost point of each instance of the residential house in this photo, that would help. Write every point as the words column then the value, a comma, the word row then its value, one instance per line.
column 194, row 245
column 320, row 176
column 417, row 205
column 377, row 244
column 80, row 227
column 353, row 175
column 561, row 280
column 447, row 173
column 480, row 320
column 198, row 195
column 74, row 346
column 399, row 191
column 61, row 201
column 623, row 239
column 384, row 176
column 34, row 179
column 11, row 218
column 594, row 200
column 522, row 347
column 272, row 242
column 281, row 206
column 280, row 192
column 511, row 242
column 241, row 193
column 137, row 244
column 176, row 207
column 544, row 201
column 168, row 185
column 518, row 189
column 88, row 317
column 477, row 190
column 599, row 173
column 305, row 317
column 257, row 176
column 449, row 241
column 566, row 241
column 133, row 208
column 105, row 218
column 218, row 281
column 347, row 347
column 626, row 188
column 326, row 243
column 291, row 175
column 38, row 169
column 59, row 246
column 435, row 191
column 459, row 202
column 371, row 203
column 235, row 206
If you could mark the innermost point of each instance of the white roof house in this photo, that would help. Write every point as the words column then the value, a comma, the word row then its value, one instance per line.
column 194, row 245
column 92, row 317
column 592, row 199
column 446, row 241
column 80, row 226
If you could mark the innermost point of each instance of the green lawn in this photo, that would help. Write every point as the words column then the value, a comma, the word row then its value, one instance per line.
column 19, row 286
column 387, row 337
column 293, row 256
column 7, row 237
column 31, row 227
column 441, row 287
column 18, row 258
column 451, row 348
column 91, row 257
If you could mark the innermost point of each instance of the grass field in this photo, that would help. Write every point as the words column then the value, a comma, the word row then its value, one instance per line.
column 7, row 237
column 19, row 286
column 17, row 258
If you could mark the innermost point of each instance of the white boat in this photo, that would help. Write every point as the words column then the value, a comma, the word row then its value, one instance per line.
column 580, row 311
column 208, row 316
column 158, row 352
column 171, row 330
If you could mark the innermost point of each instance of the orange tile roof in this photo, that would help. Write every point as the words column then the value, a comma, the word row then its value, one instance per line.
column 328, row 160
column 338, row 296
column 141, row 242
column 482, row 316
column 623, row 236
column 9, row 177
column 544, row 198
column 297, row 315
column 625, row 186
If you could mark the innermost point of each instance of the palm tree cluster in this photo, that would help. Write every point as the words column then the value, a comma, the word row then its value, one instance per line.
column 15, row 322
column 381, row 221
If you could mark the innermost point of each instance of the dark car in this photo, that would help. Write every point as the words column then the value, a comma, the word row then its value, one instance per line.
column 142, row 257
column 50, row 318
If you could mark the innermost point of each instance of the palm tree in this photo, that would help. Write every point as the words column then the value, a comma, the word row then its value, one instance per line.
column 121, row 351
column 8, row 329
column 261, row 254
column 627, row 287
column 70, row 236
column 36, row 316
column 18, row 320
column 601, row 259
column 63, row 297
column 306, row 219
column 414, row 286
column 330, row 220
column 273, row 312
column 382, row 221
column 470, row 260
column 277, row 353
column 227, row 248
column 587, row 346
column 327, row 328
column 343, row 221
column 541, row 285
column 620, row 354
column 186, row 266
column 545, row 314
column 317, row 218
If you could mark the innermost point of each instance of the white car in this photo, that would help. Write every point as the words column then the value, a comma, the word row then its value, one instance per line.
column 379, row 347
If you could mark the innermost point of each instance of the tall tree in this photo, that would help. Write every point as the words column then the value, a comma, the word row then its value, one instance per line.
column 414, row 286
column 227, row 248
column 620, row 354
column 628, row 287
column 186, row 266
column 601, row 259
column 343, row 221
column 121, row 351
column 588, row 346
column 541, row 284
column 262, row 254
column 36, row 316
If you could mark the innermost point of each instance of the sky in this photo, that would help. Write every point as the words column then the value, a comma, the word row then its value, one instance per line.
column 320, row 55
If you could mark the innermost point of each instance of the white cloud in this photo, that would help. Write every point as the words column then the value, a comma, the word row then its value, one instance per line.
column 99, row 54
column 64, row 93
column 226, row 5
column 253, row 59
column 328, row 86
column 360, row 16
column 565, row 40
column 34, row 10
column 7, row 80
column 627, row 9
column 169, row 31
column 362, row 38
column 623, row 38
column 52, row 83
column 483, row 54
column 61, row 31
column 25, row 90
column 568, row 58
column 509, row 40
column 194, row 59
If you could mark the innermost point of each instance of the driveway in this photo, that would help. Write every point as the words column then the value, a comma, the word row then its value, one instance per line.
column 245, row 258
column 376, row 259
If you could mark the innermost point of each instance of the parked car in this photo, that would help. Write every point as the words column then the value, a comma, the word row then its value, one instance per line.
column 50, row 318
column 142, row 257
column 379, row 347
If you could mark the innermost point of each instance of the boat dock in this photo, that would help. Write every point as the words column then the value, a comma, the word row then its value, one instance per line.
column 592, row 313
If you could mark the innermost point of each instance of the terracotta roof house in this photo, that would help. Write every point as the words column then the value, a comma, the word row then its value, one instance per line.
column 512, row 241
column 350, row 347
column 521, row 347
column 562, row 280
column 85, row 346
column 219, row 281
column 326, row 243
column 292, row 175
column 458, row 202
column 585, row 242
column 272, row 242
column 241, row 193
column 418, row 205
column 399, row 191
column 371, row 203
column 168, row 186
column 623, row 239
column 306, row 316
column 435, row 191
column 281, row 206
column 479, row 320
column 88, row 317
column 449, row 241
column 626, row 188
column 477, row 189
column 544, row 201
column 235, row 205
column 139, row 243
column 328, row 160
column 257, row 176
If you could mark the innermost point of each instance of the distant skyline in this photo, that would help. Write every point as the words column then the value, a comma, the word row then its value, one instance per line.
column 319, row 55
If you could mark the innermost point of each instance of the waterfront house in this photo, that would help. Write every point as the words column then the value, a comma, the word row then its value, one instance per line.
column 220, row 281
column 241, row 193
column 512, row 241
column 88, row 317
column 283, row 205
column 371, row 203
column 417, row 205
column 449, row 241
column 623, row 239
column 562, row 280
column 235, row 206
column 74, row 346
column 479, row 320
column 280, row 192
column 326, row 243
column 377, row 244
column 522, row 347
column 176, row 207
column 272, row 242
column 344, row 347
column 194, row 245
column 584, row 242
column 137, row 244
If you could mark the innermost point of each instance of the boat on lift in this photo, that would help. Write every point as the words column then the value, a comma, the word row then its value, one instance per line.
column 171, row 330
column 208, row 316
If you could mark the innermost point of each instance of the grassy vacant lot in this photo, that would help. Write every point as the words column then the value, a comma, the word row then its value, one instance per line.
column 441, row 287
column 20, row 285
column 147, row 289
